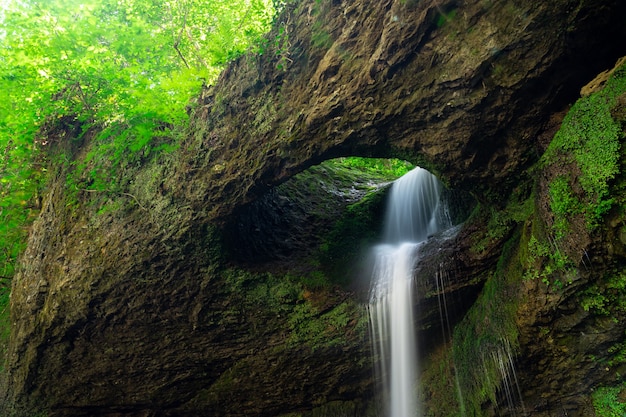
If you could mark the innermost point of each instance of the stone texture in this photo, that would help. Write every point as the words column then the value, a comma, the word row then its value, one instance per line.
column 134, row 312
column 463, row 97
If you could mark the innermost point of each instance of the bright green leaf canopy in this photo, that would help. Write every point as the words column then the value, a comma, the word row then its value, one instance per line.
column 125, row 66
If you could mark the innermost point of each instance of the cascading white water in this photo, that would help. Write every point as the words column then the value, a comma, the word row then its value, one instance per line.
column 414, row 212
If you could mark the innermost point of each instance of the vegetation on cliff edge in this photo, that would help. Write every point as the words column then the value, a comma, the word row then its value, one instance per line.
column 580, row 168
column 127, row 68
column 124, row 69
column 583, row 169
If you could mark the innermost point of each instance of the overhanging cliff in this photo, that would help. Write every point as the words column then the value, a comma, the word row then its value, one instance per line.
column 125, row 305
column 462, row 88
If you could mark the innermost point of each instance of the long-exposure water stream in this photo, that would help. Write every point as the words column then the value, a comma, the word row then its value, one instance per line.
column 414, row 212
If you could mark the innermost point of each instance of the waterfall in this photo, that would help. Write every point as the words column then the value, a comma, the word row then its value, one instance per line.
column 414, row 212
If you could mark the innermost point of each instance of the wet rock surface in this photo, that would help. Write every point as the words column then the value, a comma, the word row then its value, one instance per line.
column 134, row 312
column 460, row 89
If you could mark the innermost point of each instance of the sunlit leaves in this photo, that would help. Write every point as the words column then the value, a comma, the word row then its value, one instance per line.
column 128, row 67
column 98, row 59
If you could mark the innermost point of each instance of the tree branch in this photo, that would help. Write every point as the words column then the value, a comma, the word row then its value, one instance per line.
column 180, row 35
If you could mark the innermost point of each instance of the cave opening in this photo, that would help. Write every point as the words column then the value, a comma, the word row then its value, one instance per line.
column 293, row 219
column 327, row 213
column 330, row 216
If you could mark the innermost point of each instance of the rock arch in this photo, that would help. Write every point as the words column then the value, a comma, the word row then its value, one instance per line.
column 128, row 314
column 463, row 89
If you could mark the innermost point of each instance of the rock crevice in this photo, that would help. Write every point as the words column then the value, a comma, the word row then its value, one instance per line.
column 132, row 310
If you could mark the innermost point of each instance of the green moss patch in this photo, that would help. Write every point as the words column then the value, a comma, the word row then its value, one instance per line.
column 317, row 318
column 475, row 366
column 584, row 157
column 610, row 401
column 581, row 183
column 355, row 231
column 487, row 336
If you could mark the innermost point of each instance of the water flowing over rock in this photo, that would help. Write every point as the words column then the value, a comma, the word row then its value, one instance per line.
column 414, row 213
column 415, row 209
column 137, row 311
column 461, row 89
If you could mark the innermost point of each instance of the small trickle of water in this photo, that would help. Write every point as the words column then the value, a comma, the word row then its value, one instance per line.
column 441, row 281
column 503, row 358
column 414, row 213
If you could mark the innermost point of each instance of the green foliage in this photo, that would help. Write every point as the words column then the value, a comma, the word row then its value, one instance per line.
column 320, row 38
column 544, row 260
column 313, row 280
column 538, row 248
column 609, row 401
column 277, row 294
column 392, row 168
column 445, row 17
column 282, row 45
column 126, row 68
column 618, row 354
column 499, row 225
column 563, row 204
column 591, row 134
column 269, row 299
column 123, row 68
column 19, row 191
column 487, row 338
column 500, row 222
column 589, row 138
column 315, row 328
column 606, row 296
column 581, row 163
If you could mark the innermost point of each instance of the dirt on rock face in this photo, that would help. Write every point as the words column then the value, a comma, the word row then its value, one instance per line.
column 459, row 88
column 133, row 312
column 126, row 313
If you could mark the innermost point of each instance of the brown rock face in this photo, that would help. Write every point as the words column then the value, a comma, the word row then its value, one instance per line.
column 460, row 88
column 134, row 311
column 133, row 317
